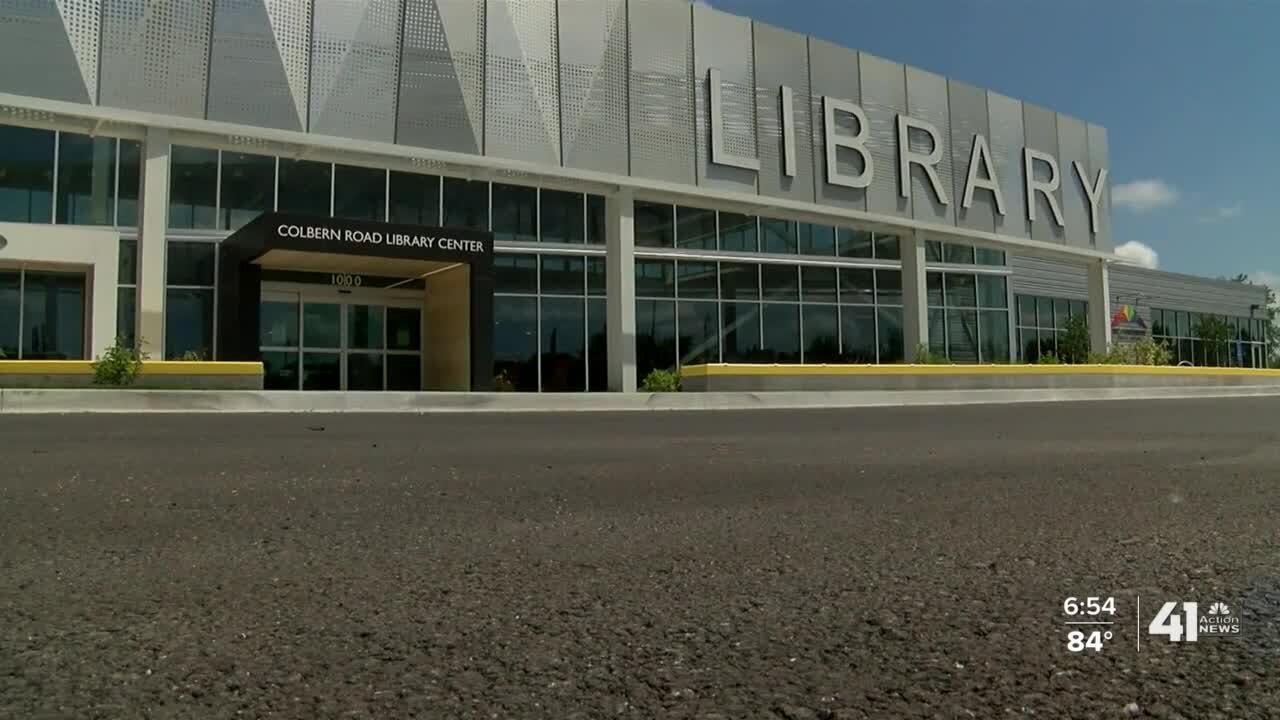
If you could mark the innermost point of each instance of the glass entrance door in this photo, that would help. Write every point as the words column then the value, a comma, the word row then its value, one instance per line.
column 313, row 342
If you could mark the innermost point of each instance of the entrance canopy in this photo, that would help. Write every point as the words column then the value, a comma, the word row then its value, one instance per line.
column 459, row 315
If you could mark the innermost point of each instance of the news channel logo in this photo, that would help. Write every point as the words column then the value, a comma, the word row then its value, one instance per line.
column 1184, row 621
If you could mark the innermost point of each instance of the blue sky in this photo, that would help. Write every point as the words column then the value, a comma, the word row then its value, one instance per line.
column 1185, row 88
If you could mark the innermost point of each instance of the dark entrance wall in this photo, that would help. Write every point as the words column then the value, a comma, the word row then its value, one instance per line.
column 240, row 279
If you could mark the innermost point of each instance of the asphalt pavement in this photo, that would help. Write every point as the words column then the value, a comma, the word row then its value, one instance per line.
column 866, row 563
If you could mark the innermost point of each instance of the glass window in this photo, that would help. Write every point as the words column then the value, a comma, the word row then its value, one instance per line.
column 961, row 290
column 1060, row 313
column 193, row 187
column 995, row 336
column 958, row 254
column 364, row 329
column 560, row 216
column 278, row 324
column 993, row 291
column 938, row 331
column 932, row 251
column 817, row 239
column 739, row 281
column 655, row 278
column 305, row 187
column 563, row 274
column 359, row 193
column 654, row 225
column 188, row 324
column 466, row 203
column 597, row 283
column 514, row 273
column 821, row 333
column 126, row 315
column 86, row 180
column 515, row 213
column 987, row 256
column 889, row 334
column 1044, row 312
column 597, row 346
column 696, row 280
column 1027, row 310
column 321, row 325
column 563, row 346
column 887, row 247
column 248, row 188
column 415, row 199
column 655, row 336
column 889, row 287
column 933, row 289
column 596, row 232
column 695, row 228
column 781, row 282
column 10, row 309
column 741, row 331
column 818, row 283
column 190, row 263
column 857, row 285
column 130, row 183
column 127, row 270
column 962, row 336
column 781, row 341
column 699, row 332
column 853, row 243
column 26, row 174
column 321, row 371
column 404, row 328
column 515, row 342
column 738, row 233
column 857, row 333
column 779, row 236
column 53, row 316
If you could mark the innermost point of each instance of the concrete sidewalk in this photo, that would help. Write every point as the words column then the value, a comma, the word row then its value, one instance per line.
column 19, row 401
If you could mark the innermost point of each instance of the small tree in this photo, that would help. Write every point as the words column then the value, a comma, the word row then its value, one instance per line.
column 119, row 365
column 1215, row 335
column 1073, row 346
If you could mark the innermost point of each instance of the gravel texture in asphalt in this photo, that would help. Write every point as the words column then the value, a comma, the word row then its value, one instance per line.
column 877, row 563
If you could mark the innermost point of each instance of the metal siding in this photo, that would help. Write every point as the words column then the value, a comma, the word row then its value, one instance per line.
column 723, row 41
column 1155, row 289
column 661, row 109
column 1004, row 115
column 593, row 85
column 782, row 58
column 1073, row 146
column 884, row 96
column 259, row 61
column 969, row 118
column 355, row 65
column 155, row 55
column 834, row 72
column 1041, row 127
column 927, row 100
column 441, row 101
column 50, row 50
column 522, row 82
column 1099, row 158
column 1050, row 278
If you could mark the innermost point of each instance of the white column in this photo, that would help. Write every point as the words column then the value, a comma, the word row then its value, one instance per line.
column 1099, row 306
column 153, row 219
column 620, row 290
column 915, row 303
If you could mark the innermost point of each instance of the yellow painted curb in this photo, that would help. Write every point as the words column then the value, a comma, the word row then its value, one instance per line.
column 149, row 367
column 722, row 370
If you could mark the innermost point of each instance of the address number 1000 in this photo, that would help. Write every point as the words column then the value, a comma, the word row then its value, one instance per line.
column 346, row 280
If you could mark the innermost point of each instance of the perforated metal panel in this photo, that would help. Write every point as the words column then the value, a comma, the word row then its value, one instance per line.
column 661, row 111
column 155, row 55
column 1005, row 117
column 1041, row 127
column 927, row 100
column 593, row 84
column 782, row 58
column 522, row 98
column 884, row 95
column 442, row 75
column 258, row 62
column 355, row 65
column 49, row 49
column 723, row 41
column 834, row 72
column 1073, row 145
column 969, row 119
column 1099, row 158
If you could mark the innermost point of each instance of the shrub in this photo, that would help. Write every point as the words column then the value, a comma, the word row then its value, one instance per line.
column 1142, row 352
column 1048, row 359
column 661, row 381
column 118, row 366
column 1073, row 346
column 926, row 356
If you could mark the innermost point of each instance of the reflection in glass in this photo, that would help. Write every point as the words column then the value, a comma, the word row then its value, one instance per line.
column 86, row 180
column 515, row 213
column 248, row 188
column 699, row 332
column 821, row 334
column 817, row 239
column 193, row 187
column 781, row 282
column 321, row 371
column 889, row 334
column 126, row 315
column 739, row 281
column 738, row 233
column 278, row 324
column 26, row 174
column 741, row 332
column 404, row 372
column 778, row 236
column 364, row 327
column 853, row 243
column 280, row 370
column 961, row 290
column 857, row 285
column 655, row 336
column 560, row 216
column 937, row 332
column 933, row 289
column 889, row 287
column 597, row 346
column 818, row 283
column 415, row 200
column 995, row 336
column 857, row 333
column 1027, row 310
column 466, row 203
column 515, row 273
column 695, row 228
column 596, row 233
column 515, row 341
column 887, row 247
column 404, row 328
column 130, row 183
column 696, row 280
column 654, row 225
column 987, row 256
column 10, row 307
column 321, row 325
column 563, row 347
column 562, row 274
column 364, row 371
column 655, row 278
column 359, row 193
column 596, row 280
column 306, row 187
column 958, row 254
column 188, row 324
column 993, row 291
column 190, row 263
column 781, row 341
column 962, row 336
column 127, row 269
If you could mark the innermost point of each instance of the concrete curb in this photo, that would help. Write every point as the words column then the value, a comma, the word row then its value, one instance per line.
column 26, row 401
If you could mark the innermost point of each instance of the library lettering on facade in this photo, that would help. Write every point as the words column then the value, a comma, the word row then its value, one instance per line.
column 542, row 195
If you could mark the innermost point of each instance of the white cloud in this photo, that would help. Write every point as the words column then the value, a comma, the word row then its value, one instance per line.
column 1136, row 253
column 1144, row 195
column 1267, row 278
column 1223, row 213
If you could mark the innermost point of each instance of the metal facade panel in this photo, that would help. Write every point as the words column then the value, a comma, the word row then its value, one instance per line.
column 155, row 55
column 1099, row 158
column 49, row 50
column 259, row 60
column 833, row 72
column 927, row 100
column 522, row 81
column 782, row 59
column 663, row 146
column 442, row 58
column 1041, row 128
column 355, row 66
column 724, row 42
column 593, row 85
column 884, row 96
column 968, row 120
column 1073, row 146
column 1132, row 285
column 1004, row 115
column 1049, row 278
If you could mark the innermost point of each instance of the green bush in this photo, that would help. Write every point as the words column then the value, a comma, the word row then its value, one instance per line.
column 119, row 365
column 1142, row 352
column 192, row 356
column 926, row 356
column 661, row 381
column 1073, row 345
column 1048, row 359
